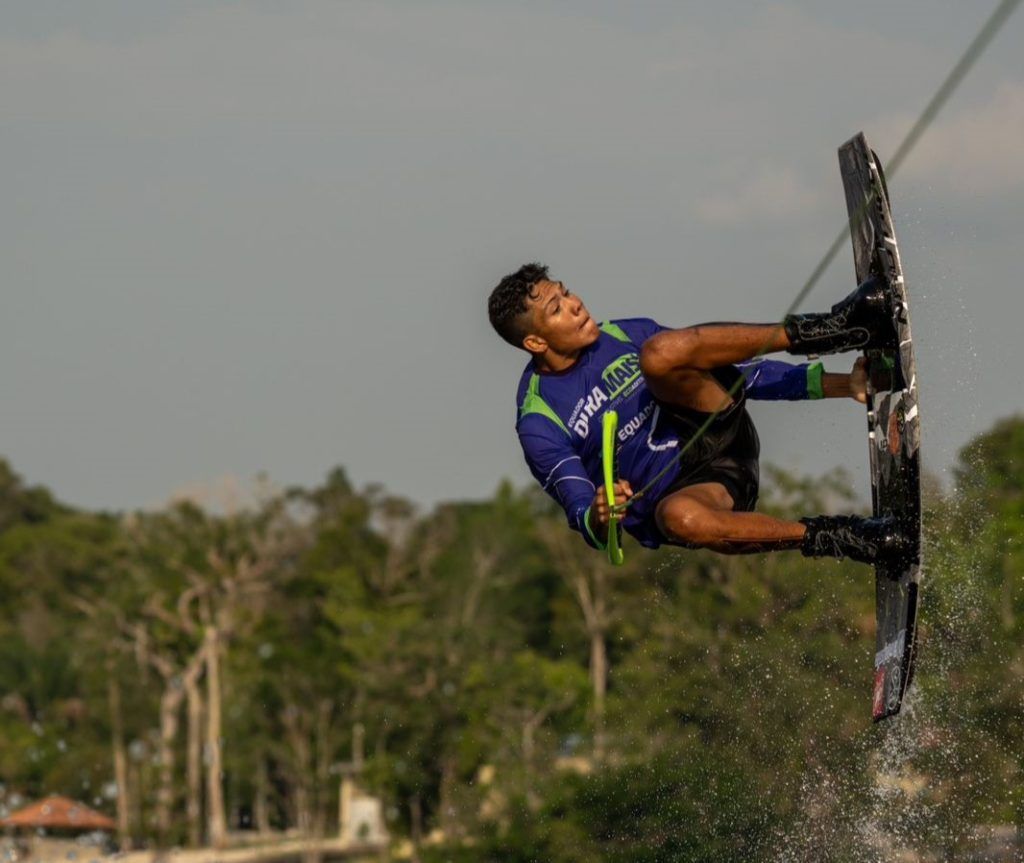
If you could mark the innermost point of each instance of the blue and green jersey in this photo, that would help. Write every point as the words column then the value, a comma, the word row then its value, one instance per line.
column 559, row 424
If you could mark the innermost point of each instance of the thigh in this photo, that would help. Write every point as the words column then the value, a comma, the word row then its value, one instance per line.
column 722, row 401
column 710, row 495
column 691, row 389
column 690, row 502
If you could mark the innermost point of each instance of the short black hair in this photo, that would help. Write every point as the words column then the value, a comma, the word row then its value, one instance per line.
column 507, row 304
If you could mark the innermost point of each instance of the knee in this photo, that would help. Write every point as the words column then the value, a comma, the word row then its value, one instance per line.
column 684, row 521
column 668, row 350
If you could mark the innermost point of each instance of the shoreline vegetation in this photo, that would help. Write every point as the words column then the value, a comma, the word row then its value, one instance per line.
column 473, row 683
column 269, row 850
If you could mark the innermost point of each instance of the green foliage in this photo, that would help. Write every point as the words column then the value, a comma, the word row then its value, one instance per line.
column 453, row 649
column 20, row 504
column 678, row 806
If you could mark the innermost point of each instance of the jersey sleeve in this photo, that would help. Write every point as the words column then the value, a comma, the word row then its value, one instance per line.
column 774, row 380
column 559, row 470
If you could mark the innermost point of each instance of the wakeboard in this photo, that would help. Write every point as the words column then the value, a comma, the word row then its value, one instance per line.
column 894, row 425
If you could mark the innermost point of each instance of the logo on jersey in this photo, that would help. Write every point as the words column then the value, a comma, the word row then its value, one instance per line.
column 635, row 424
column 576, row 411
column 619, row 377
column 620, row 374
column 594, row 401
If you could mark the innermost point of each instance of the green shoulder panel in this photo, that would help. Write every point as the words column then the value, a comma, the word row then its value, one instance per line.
column 533, row 403
column 615, row 331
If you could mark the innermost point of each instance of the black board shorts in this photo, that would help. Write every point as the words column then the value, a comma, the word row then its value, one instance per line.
column 726, row 453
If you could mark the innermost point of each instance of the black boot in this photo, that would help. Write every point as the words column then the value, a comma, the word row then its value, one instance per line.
column 863, row 320
column 868, row 540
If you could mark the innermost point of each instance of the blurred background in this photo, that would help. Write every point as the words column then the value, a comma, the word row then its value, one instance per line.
column 275, row 579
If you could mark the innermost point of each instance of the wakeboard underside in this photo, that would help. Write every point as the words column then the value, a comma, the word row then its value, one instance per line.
column 894, row 428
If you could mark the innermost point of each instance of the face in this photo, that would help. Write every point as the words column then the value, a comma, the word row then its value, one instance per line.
column 559, row 320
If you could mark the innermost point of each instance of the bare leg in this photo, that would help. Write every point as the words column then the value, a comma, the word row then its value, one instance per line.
column 676, row 362
column 702, row 516
column 707, row 346
column 676, row 365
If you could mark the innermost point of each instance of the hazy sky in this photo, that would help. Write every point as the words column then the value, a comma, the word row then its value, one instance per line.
column 259, row 236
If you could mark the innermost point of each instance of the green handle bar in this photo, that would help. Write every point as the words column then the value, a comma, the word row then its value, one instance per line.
column 609, row 426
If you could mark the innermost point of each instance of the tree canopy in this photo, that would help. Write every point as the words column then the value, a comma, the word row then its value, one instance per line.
column 506, row 693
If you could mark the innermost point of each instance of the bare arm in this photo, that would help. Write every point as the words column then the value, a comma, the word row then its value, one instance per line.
column 851, row 386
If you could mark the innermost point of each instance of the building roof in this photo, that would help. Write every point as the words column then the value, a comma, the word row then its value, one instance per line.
column 58, row 813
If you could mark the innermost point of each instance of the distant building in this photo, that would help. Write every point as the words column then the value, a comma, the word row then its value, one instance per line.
column 55, row 829
column 59, row 813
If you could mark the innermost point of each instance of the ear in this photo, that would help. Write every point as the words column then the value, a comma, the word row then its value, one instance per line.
column 535, row 344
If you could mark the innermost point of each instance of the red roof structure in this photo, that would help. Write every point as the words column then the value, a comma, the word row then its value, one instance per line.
column 58, row 813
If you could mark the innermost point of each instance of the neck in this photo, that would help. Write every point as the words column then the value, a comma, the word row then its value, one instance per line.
column 552, row 361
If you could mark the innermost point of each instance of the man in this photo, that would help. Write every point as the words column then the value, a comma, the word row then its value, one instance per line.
column 665, row 383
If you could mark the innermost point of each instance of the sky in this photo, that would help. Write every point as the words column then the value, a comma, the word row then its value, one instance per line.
column 258, row 237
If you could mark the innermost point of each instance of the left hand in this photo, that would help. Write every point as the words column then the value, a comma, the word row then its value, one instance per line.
column 859, row 381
